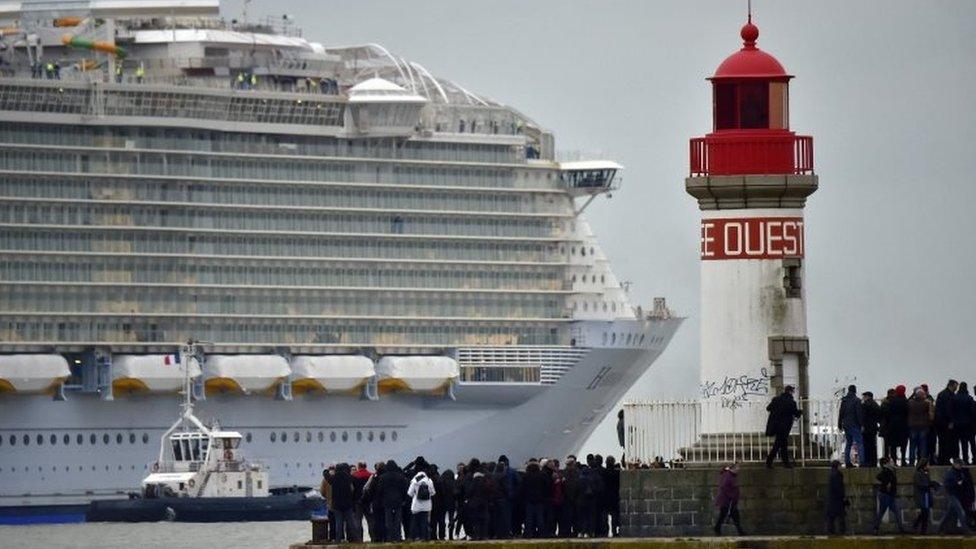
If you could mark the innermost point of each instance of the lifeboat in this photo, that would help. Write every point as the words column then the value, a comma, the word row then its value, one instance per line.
column 32, row 373
column 330, row 374
column 244, row 373
column 150, row 373
column 418, row 374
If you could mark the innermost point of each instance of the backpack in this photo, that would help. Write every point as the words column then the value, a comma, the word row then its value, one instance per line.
column 423, row 491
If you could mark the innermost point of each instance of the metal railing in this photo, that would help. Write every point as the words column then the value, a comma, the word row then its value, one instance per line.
column 746, row 154
column 694, row 432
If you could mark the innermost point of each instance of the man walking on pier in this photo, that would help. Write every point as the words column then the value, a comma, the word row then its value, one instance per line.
column 727, row 500
column 887, row 495
column 782, row 411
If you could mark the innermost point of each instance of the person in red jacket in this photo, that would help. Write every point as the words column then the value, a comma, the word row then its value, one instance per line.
column 728, row 499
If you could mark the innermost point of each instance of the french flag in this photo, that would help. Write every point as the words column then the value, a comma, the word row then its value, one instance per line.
column 171, row 359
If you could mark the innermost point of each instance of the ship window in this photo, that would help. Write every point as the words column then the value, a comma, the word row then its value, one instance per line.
column 40, row 439
column 92, row 438
column 105, row 438
column 297, row 436
column 308, row 436
column 273, row 436
column 284, row 436
column 345, row 436
column 132, row 438
column 369, row 437
column 247, row 437
column 332, row 436
column 382, row 436
column 259, row 484
column 359, row 436
column 393, row 435
column 321, row 436
column 240, row 485
column 145, row 438
column 26, row 440
column 118, row 438
column 54, row 439
column 67, row 439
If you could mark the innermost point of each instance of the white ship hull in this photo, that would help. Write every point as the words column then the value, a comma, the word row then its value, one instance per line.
column 484, row 421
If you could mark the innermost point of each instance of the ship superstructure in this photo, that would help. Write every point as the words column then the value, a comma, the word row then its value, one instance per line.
column 380, row 262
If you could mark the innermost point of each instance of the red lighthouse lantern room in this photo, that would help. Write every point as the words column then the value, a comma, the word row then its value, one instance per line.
column 751, row 118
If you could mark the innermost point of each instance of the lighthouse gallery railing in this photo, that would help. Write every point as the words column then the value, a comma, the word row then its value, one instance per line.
column 672, row 431
column 742, row 154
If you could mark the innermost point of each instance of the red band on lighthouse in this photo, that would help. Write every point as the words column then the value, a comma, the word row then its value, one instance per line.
column 752, row 238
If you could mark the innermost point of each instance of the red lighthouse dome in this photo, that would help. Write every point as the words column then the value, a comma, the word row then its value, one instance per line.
column 750, row 61
column 751, row 118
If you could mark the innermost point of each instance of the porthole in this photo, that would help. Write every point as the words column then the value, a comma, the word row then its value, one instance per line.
column 273, row 436
column 591, row 250
column 92, row 439
column 603, row 279
column 332, row 436
column 145, row 438
column 308, row 436
column 369, row 437
column 382, row 436
column 1, row 441
column 284, row 436
column 105, row 438
column 26, row 440
column 393, row 436
column 40, row 439
column 79, row 439
column 118, row 438
column 54, row 439
column 66, row 439
column 345, row 436
column 297, row 436
column 132, row 438
column 359, row 436
column 106, row 467
column 321, row 436
column 247, row 437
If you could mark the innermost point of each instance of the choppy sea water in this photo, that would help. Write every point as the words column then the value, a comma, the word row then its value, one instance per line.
column 169, row 535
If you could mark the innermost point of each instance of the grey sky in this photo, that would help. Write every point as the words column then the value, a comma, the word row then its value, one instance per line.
column 887, row 89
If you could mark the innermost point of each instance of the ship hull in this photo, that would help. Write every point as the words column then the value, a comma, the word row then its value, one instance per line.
column 296, row 439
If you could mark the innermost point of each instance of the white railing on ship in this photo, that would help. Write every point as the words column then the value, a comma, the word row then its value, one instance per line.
column 671, row 431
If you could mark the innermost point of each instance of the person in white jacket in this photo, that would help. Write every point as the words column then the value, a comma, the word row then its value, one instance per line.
column 421, row 492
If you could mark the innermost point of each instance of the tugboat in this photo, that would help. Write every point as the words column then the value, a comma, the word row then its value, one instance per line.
column 201, row 476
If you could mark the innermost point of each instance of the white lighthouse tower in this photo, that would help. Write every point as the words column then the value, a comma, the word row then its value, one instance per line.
column 751, row 176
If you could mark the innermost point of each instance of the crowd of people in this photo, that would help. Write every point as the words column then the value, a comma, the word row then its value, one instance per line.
column 911, row 427
column 476, row 500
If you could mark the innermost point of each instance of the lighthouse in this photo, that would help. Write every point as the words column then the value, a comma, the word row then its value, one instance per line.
column 751, row 176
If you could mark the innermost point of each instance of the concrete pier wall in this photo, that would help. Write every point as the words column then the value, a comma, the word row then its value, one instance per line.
column 681, row 502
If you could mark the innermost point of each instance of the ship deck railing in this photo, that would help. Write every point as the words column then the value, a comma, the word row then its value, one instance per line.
column 228, row 83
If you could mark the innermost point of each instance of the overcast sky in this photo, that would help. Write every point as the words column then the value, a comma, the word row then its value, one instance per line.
column 887, row 89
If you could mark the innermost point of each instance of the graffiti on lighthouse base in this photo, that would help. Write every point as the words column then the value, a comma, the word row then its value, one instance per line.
column 734, row 391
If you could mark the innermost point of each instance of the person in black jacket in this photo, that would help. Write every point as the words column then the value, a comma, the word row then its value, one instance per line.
column 948, row 446
column 897, row 419
column 476, row 498
column 961, row 415
column 782, row 412
column 392, row 491
column 871, row 412
column 343, row 503
column 611, row 487
column 887, row 495
column 836, row 500
column 850, row 419
column 534, row 492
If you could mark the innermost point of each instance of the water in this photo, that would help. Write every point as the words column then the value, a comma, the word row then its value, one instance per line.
column 239, row 535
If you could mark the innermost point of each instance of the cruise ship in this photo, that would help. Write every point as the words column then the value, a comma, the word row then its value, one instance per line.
column 371, row 261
